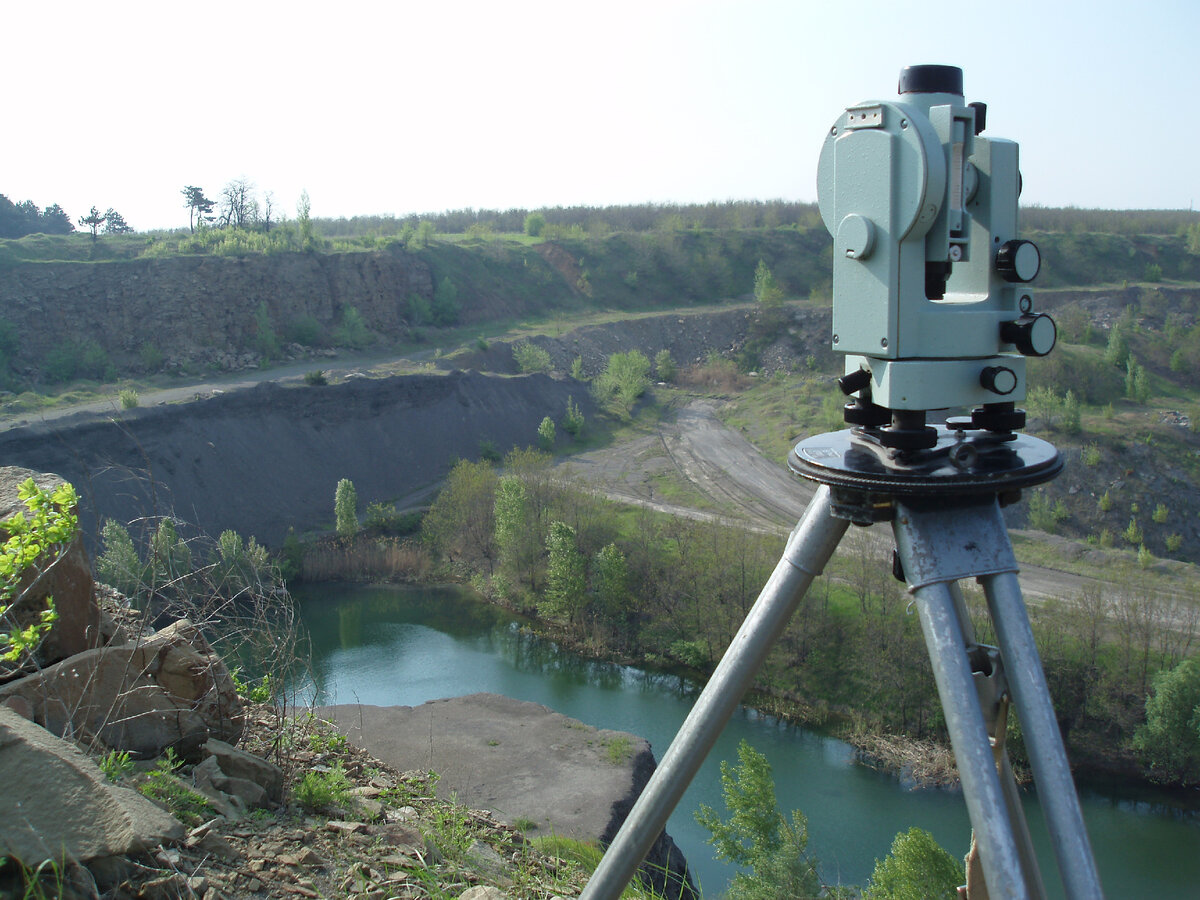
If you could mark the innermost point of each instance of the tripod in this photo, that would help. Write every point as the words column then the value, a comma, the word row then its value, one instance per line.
column 944, row 506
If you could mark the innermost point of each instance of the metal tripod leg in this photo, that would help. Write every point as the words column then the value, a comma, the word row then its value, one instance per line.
column 939, row 546
column 810, row 546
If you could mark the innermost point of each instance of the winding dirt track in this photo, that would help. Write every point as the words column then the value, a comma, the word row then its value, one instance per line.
column 737, row 484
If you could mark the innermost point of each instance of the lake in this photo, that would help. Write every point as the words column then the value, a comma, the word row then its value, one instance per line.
column 388, row 645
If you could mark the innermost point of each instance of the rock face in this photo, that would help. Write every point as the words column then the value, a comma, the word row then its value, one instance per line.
column 83, row 818
column 167, row 690
column 190, row 309
column 522, row 761
column 263, row 459
column 68, row 579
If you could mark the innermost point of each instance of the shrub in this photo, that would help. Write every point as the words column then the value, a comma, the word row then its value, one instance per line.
column 577, row 369
column 625, row 378
column 531, row 358
column 318, row 790
column 573, row 421
column 315, row 378
column 345, row 508
column 353, row 331
column 152, row 357
column 115, row 764
column 1160, row 515
column 129, row 398
column 489, row 451
column 664, row 366
column 546, row 434
column 1132, row 532
column 265, row 338
column 306, row 331
column 1174, row 543
column 535, row 224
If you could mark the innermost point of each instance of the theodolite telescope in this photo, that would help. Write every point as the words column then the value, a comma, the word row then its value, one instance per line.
column 931, row 303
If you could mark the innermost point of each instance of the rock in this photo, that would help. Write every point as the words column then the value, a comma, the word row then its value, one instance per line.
column 67, row 578
column 170, row 690
column 83, row 817
column 482, row 892
column 209, row 777
column 236, row 763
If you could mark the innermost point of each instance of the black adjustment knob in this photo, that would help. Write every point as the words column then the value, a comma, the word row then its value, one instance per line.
column 1018, row 261
column 998, row 379
column 1032, row 335
column 855, row 381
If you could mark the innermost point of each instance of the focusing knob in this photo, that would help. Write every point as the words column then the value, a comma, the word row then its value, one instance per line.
column 1018, row 261
column 1032, row 335
column 998, row 379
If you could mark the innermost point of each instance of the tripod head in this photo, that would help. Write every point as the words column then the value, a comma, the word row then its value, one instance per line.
column 931, row 304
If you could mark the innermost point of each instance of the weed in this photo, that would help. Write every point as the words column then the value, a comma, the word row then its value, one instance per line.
column 522, row 824
column 318, row 790
column 315, row 378
column 129, row 398
column 618, row 750
column 115, row 764
column 330, row 742
column 164, row 788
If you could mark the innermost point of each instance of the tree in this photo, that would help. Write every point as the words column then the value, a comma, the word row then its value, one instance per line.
column 758, row 836
column 199, row 207
column 531, row 358
column 239, row 209
column 308, row 240
column 114, row 223
column 610, row 583
column 93, row 220
column 664, row 366
column 767, row 293
column 573, row 420
column 345, row 508
column 460, row 523
column 56, row 221
column 1170, row 739
column 566, row 574
column 546, row 434
column 535, row 224
column 916, row 869
column 625, row 378
column 445, row 303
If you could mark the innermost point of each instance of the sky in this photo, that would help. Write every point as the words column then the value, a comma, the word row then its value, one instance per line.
column 406, row 107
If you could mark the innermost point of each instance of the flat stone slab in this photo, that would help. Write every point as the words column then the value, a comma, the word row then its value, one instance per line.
column 520, row 760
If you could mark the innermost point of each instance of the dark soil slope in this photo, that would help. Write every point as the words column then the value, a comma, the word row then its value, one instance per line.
column 268, row 458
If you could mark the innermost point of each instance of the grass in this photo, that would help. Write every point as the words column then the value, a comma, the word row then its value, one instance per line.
column 618, row 750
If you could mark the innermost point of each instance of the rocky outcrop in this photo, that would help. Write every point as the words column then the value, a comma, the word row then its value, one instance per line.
column 188, row 308
column 83, row 817
column 522, row 761
column 167, row 690
column 65, row 576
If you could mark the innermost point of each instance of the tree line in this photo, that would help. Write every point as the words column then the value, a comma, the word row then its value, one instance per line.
column 671, row 590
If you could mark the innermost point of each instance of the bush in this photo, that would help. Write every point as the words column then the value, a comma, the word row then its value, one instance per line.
column 318, row 790
column 916, row 869
column 573, row 421
column 531, row 358
column 546, row 434
column 129, row 398
column 664, row 366
column 315, row 378
column 625, row 378
column 306, row 331
column 353, row 331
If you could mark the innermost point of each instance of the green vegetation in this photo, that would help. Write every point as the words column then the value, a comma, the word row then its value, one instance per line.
column 115, row 764
column 320, row 790
column 769, row 847
column 164, row 787
column 626, row 377
column 531, row 358
column 42, row 537
column 916, row 869
column 345, row 508
column 1170, row 738
column 129, row 398
column 545, row 434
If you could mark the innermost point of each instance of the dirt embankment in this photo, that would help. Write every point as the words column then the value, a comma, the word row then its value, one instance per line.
column 268, row 458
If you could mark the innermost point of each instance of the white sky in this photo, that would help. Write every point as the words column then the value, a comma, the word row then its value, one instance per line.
column 400, row 107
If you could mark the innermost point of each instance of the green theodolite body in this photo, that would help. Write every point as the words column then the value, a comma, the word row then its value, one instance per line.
column 919, row 204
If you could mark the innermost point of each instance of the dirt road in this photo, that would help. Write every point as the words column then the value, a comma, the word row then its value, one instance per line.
column 737, row 484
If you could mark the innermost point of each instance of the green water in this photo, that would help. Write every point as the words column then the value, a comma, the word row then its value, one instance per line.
column 399, row 646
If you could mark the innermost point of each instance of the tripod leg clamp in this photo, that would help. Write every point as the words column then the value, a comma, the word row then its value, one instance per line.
column 942, row 542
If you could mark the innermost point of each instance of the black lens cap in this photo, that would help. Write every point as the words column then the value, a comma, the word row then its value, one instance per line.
column 931, row 80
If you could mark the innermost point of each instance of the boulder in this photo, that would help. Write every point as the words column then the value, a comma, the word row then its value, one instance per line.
column 167, row 690
column 239, row 764
column 67, row 578
column 82, row 817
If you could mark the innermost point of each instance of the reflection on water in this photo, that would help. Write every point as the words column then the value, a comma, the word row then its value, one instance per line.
column 405, row 646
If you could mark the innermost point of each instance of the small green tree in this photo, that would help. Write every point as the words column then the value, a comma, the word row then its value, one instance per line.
column 573, row 421
column 625, row 378
column 119, row 564
column 610, row 583
column 767, row 293
column 345, row 508
column 1160, row 514
column 1132, row 532
column 664, row 366
column 758, row 836
column 531, row 358
column 444, row 308
column 535, row 224
column 1116, row 351
column 1170, row 739
column 353, row 331
column 264, row 335
column 916, row 869
column 93, row 220
column 546, row 434
column 577, row 369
